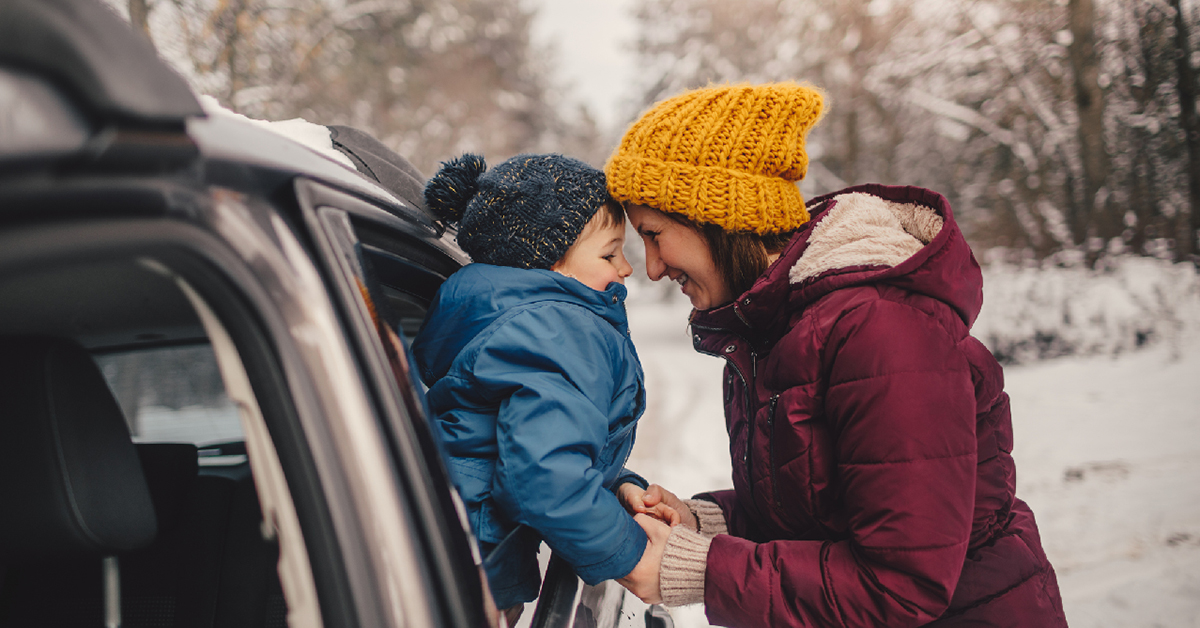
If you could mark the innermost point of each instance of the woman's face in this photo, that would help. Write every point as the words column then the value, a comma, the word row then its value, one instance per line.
column 680, row 253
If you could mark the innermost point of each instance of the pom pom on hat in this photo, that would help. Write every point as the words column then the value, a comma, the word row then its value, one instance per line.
column 455, row 184
column 727, row 155
column 525, row 212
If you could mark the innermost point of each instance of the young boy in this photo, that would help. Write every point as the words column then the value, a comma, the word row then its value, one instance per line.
column 532, row 377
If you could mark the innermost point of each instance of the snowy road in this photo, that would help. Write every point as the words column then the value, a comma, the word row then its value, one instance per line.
column 1107, row 449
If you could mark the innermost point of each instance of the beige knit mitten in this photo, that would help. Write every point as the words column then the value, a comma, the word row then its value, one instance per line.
column 709, row 517
column 681, row 573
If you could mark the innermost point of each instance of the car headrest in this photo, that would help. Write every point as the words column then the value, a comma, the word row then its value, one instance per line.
column 70, row 479
column 171, row 470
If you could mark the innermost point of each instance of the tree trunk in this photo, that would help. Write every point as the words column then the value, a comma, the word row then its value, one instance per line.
column 1188, row 245
column 1095, row 214
column 139, row 16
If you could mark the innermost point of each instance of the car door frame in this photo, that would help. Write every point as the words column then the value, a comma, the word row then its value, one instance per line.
column 451, row 557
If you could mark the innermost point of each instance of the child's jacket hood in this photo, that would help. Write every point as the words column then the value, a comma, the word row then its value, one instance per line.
column 474, row 297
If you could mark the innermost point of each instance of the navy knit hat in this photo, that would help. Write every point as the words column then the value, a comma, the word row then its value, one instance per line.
column 524, row 213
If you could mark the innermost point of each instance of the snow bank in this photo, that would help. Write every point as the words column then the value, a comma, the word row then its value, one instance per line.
column 1032, row 313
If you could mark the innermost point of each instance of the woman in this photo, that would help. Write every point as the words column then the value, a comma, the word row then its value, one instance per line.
column 869, row 432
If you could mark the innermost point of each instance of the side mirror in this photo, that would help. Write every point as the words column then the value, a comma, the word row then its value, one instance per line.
column 560, row 589
column 657, row 616
column 565, row 602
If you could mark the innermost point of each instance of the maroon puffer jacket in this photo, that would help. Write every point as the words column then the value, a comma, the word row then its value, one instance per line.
column 870, row 434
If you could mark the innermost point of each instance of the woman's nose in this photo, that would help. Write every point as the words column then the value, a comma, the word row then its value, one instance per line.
column 655, row 268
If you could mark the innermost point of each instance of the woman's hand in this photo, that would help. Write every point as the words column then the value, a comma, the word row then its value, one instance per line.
column 643, row 580
column 632, row 497
column 657, row 496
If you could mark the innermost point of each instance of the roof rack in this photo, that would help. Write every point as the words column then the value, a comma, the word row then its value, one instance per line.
column 381, row 164
column 111, row 71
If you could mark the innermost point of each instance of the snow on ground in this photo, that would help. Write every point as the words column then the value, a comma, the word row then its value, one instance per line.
column 1033, row 313
column 1107, row 446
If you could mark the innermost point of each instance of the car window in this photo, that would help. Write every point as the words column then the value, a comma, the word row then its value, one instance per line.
column 172, row 394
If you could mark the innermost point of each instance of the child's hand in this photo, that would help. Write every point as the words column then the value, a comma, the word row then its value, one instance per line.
column 659, row 497
column 632, row 497
column 664, row 513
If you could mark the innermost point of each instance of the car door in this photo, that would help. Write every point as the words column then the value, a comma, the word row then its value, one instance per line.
column 382, row 267
column 386, row 271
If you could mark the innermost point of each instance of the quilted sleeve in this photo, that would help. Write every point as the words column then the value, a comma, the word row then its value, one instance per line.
column 901, row 402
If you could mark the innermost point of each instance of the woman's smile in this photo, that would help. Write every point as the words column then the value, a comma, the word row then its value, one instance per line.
column 680, row 253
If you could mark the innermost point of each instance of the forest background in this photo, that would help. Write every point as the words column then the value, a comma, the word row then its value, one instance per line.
column 1065, row 130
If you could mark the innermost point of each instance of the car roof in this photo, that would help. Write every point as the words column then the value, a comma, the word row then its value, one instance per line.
column 229, row 138
column 100, row 69
column 101, row 113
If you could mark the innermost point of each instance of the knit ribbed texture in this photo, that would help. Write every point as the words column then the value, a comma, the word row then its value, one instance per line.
column 681, row 573
column 525, row 212
column 728, row 155
column 709, row 515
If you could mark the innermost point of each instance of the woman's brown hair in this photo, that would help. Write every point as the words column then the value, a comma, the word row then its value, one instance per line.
column 740, row 257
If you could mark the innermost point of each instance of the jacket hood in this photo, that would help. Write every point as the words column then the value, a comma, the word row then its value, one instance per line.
column 478, row 294
column 901, row 236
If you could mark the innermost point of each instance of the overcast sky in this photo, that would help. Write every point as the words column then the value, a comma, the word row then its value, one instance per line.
column 593, row 39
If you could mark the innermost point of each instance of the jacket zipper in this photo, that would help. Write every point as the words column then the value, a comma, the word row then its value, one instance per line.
column 771, row 451
column 747, row 392
column 750, row 426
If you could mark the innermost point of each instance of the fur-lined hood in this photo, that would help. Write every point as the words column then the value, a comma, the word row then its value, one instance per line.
column 902, row 236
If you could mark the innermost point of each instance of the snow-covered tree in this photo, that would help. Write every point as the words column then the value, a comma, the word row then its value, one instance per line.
column 1052, row 125
column 429, row 78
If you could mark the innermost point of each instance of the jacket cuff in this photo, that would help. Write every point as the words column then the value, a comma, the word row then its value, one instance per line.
column 709, row 517
column 627, row 476
column 626, row 556
column 684, row 561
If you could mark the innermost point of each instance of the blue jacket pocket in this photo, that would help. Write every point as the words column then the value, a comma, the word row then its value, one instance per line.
column 617, row 447
column 473, row 477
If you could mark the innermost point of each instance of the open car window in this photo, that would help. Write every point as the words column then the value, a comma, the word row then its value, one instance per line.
column 387, row 283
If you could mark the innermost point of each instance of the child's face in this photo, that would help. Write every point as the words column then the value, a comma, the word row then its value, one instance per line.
column 597, row 258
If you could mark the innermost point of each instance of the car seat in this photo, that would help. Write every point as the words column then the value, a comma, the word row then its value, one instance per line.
column 73, row 492
column 187, row 546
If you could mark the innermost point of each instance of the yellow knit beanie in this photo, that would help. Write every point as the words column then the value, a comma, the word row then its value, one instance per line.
column 729, row 155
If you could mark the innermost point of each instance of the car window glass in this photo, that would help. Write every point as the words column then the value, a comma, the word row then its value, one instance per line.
column 172, row 394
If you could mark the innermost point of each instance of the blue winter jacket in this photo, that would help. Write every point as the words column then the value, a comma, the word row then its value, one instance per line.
column 537, row 390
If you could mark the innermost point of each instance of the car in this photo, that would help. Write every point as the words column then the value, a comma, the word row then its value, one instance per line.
column 209, row 413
